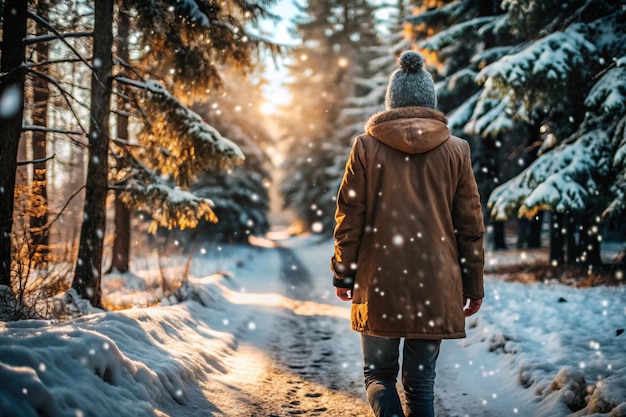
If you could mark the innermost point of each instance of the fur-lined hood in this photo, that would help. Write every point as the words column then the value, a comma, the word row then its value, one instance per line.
column 412, row 130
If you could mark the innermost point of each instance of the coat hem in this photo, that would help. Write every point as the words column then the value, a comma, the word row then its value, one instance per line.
column 410, row 335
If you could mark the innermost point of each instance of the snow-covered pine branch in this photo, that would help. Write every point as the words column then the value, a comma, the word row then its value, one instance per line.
column 564, row 179
column 454, row 90
column 168, row 206
column 452, row 35
column 500, row 28
column 182, row 143
column 540, row 74
column 609, row 93
column 486, row 57
column 48, row 37
column 442, row 15
column 459, row 117
column 495, row 116
column 617, row 207
column 33, row 128
column 205, row 138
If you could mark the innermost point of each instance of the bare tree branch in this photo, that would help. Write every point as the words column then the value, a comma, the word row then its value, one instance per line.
column 59, row 35
column 34, row 128
column 65, row 94
column 36, row 161
column 30, row 65
column 47, row 227
column 46, row 38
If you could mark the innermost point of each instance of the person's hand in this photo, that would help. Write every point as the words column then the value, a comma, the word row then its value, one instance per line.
column 343, row 293
column 473, row 307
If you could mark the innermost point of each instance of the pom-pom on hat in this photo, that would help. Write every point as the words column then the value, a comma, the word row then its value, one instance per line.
column 410, row 84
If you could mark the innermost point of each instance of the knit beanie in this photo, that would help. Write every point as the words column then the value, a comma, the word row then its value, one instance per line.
column 410, row 84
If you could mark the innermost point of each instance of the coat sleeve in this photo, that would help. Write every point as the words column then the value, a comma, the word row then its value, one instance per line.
column 349, row 219
column 470, row 229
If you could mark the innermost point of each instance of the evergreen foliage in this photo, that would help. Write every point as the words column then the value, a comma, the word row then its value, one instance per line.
column 332, row 64
column 185, row 43
column 174, row 54
column 548, row 84
column 240, row 194
column 11, row 93
column 570, row 72
column 188, row 47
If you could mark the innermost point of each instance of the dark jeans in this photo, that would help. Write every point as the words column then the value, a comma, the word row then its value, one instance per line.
column 381, row 366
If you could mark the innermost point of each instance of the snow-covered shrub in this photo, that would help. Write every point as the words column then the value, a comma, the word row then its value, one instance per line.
column 7, row 303
column 571, row 384
column 503, row 342
column 603, row 400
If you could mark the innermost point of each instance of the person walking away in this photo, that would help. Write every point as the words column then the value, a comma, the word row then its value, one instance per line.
column 408, row 241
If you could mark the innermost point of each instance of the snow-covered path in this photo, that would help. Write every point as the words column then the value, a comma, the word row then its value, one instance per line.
column 310, row 363
column 290, row 361
column 259, row 332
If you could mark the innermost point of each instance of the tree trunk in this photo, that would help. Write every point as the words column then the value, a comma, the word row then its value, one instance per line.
column 499, row 235
column 557, row 254
column 486, row 8
column 88, row 271
column 121, row 243
column 41, row 95
column 589, row 242
column 533, row 239
column 11, row 113
column 573, row 250
column 523, row 225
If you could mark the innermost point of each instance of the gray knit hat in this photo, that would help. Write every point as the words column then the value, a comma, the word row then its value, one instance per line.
column 411, row 84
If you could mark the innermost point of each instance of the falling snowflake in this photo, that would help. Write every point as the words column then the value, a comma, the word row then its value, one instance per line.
column 317, row 227
column 10, row 101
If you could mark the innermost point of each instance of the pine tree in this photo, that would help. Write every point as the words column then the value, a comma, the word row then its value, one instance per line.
column 516, row 87
column 11, row 112
column 325, row 72
column 88, row 269
column 173, row 143
column 574, row 73
column 458, row 38
column 41, row 95
column 185, row 47
column 241, row 194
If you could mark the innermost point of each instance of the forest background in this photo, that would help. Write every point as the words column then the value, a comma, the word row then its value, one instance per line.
column 129, row 126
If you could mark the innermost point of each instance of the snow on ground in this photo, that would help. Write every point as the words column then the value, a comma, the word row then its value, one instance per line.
column 269, row 338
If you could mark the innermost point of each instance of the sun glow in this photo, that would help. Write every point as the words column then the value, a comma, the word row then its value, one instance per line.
column 268, row 108
column 276, row 95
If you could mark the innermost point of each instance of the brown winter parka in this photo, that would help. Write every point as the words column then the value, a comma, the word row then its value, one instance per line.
column 409, row 227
